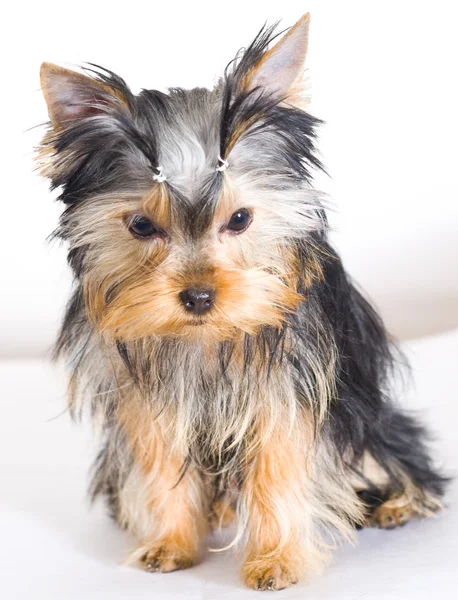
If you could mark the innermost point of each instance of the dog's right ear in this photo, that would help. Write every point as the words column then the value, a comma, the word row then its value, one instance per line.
column 71, row 96
column 90, row 116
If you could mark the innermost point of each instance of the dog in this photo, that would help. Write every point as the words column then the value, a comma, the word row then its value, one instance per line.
column 233, row 368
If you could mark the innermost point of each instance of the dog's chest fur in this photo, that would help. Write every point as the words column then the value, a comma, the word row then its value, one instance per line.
column 212, row 403
column 216, row 398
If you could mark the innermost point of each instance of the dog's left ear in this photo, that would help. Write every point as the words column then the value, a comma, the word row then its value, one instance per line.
column 280, row 69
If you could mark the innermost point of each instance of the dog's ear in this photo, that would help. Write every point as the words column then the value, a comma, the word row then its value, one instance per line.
column 71, row 96
column 281, row 68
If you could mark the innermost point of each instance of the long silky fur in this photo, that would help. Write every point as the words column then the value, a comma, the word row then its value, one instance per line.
column 326, row 365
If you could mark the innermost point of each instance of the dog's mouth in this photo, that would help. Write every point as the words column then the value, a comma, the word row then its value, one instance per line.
column 197, row 321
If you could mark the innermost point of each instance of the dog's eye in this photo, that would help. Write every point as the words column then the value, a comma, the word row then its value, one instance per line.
column 140, row 226
column 239, row 221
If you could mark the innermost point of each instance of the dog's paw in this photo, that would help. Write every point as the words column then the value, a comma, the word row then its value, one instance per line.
column 389, row 517
column 399, row 510
column 165, row 558
column 268, row 575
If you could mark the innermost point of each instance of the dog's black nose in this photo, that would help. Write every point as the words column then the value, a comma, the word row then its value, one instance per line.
column 197, row 301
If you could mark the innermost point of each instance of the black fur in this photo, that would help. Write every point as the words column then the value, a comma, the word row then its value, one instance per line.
column 364, row 415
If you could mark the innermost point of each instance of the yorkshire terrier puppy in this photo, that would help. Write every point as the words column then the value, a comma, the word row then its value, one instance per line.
column 234, row 369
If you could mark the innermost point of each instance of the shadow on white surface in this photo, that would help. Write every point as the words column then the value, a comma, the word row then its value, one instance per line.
column 54, row 547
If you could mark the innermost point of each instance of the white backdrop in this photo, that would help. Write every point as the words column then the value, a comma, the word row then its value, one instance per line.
column 383, row 78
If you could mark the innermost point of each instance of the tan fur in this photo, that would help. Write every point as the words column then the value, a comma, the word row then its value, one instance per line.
column 145, row 277
column 229, row 200
column 165, row 509
column 401, row 508
column 44, row 157
column 157, row 206
column 280, row 509
column 282, row 504
column 372, row 472
column 281, row 512
column 222, row 514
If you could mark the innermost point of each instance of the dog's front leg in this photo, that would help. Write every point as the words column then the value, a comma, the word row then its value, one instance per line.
column 161, row 502
column 277, row 506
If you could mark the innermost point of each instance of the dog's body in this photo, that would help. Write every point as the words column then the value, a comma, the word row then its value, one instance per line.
column 234, row 368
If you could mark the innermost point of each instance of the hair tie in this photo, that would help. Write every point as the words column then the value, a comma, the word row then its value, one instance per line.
column 222, row 164
column 159, row 177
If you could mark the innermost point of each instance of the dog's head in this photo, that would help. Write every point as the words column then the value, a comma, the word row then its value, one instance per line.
column 188, row 213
